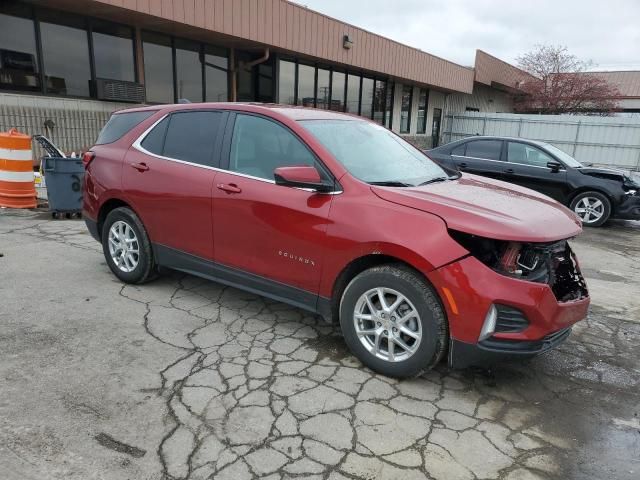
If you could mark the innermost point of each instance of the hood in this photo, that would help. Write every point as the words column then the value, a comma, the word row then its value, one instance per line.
column 611, row 174
column 489, row 208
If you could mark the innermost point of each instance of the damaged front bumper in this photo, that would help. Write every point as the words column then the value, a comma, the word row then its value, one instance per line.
column 629, row 209
column 530, row 317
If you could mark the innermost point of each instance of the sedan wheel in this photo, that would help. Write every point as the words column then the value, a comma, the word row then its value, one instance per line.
column 589, row 209
column 593, row 208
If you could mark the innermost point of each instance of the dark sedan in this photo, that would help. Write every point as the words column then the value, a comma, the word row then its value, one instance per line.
column 594, row 194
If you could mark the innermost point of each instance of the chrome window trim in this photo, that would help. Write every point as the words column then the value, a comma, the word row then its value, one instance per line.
column 562, row 169
column 138, row 146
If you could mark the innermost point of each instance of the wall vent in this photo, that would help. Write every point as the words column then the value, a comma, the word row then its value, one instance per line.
column 119, row 91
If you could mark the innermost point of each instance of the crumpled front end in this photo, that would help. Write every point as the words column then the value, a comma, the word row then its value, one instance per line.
column 509, row 299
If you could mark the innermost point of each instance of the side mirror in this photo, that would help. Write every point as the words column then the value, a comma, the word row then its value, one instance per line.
column 554, row 166
column 301, row 177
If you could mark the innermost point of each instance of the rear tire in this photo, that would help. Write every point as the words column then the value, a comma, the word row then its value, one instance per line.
column 398, row 342
column 593, row 208
column 127, row 248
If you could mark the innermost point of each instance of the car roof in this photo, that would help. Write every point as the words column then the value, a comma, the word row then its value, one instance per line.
column 291, row 111
column 495, row 137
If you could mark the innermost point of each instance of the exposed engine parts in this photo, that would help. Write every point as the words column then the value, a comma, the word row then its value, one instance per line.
column 550, row 263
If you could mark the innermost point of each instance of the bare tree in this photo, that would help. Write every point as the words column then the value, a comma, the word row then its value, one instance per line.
column 563, row 84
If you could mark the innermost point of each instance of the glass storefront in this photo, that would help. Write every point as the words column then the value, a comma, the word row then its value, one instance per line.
column 338, row 80
column 405, row 112
column 306, row 86
column 324, row 88
column 353, row 94
column 366, row 104
column 287, row 82
column 113, row 51
column 65, row 50
column 188, row 71
column 423, row 98
column 19, row 68
column 158, row 67
column 76, row 51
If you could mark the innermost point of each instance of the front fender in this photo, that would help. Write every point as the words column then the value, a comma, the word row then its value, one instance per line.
column 377, row 227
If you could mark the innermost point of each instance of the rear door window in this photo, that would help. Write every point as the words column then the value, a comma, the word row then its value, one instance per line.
column 190, row 136
column 459, row 150
column 489, row 149
column 121, row 123
column 154, row 141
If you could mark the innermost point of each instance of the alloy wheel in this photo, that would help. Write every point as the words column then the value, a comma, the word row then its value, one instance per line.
column 124, row 247
column 387, row 324
column 589, row 209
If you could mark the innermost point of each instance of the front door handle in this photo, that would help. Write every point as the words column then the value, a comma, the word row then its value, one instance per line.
column 509, row 171
column 229, row 187
column 463, row 165
column 141, row 167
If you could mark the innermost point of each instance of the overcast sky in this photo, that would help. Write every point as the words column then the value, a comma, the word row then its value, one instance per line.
column 605, row 31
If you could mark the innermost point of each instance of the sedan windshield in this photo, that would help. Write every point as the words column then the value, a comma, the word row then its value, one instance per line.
column 373, row 154
column 567, row 159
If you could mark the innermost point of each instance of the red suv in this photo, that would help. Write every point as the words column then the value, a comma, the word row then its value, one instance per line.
column 338, row 216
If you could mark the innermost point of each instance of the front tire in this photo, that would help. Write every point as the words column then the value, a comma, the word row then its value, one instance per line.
column 593, row 208
column 127, row 248
column 393, row 321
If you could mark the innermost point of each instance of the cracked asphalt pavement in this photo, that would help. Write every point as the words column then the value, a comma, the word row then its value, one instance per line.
column 183, row 378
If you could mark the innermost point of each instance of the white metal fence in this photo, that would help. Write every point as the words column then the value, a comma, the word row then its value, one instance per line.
column 613, row 141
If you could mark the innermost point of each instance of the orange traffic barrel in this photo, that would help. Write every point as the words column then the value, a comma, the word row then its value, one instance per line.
column 17, row 187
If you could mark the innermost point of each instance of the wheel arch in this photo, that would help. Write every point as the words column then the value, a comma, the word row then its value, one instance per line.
column 359, row 265
column 599, row 190
column 107, row 207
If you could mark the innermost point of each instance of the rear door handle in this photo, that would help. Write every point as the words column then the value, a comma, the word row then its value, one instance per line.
column 229, row 188
column 141, row 167
column 463, row 165
column 509, row 170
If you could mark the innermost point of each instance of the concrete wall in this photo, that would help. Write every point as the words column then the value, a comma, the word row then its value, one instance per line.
column 76, row 122
column 484, row 98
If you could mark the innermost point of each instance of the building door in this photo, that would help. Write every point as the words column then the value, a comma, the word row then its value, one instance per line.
column 435, row 127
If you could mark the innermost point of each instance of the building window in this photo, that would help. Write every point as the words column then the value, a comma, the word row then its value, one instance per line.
column 158, row 67
column 216, row 66
column 265, row 82
column 113, row 51
column 353, row 94
column 323, row 88
column 65, row 52
column 423, row 99
column 405, row 112
column 18, row 53
column 379, row 97
column 338, row 80
column 287, row 82
column 306, row 86
column 388, row 113
column 366, row 108
column 188, row 71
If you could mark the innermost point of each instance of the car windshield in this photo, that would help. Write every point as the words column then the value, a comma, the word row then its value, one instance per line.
column 567, row 159
column 373, row 154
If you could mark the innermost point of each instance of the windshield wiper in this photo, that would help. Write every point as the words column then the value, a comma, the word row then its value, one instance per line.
column 434, row 180
column 391, row 183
